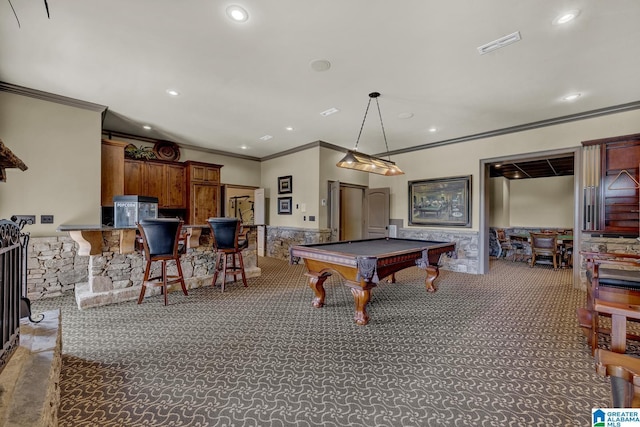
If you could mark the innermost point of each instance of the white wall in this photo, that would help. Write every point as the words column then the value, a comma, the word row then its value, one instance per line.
column 542, row 202
column 499, row 206
column 61, row 147
column 303, row 166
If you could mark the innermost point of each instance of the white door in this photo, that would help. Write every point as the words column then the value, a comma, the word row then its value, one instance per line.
column 376, row 212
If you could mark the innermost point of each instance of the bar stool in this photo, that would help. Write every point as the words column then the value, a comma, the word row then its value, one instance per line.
column 228, row 243
column 160, row 238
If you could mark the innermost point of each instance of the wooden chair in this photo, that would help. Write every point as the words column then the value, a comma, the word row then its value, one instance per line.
column 160, row 239
column 228, row 241
column 624, row 373
column 504, row 243
column 545, row 245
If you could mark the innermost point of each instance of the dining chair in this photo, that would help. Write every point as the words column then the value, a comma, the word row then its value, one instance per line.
column 509, row 245
column 228, row 242
column 160, row 239
column 545, row 245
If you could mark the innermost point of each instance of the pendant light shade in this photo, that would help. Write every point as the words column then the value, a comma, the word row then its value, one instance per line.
column 364, row 162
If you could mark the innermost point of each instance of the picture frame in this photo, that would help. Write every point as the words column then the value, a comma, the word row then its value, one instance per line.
column 440, row 202
column 284, row 206
column 285, row 184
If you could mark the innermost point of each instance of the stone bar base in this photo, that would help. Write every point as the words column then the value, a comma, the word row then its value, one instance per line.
column 30, row 382
column 88, row 298
column 110, row 276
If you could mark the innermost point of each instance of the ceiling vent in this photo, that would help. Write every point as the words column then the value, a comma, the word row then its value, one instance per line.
column 499, row 43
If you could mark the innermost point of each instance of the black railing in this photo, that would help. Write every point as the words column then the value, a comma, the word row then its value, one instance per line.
column 11, row 278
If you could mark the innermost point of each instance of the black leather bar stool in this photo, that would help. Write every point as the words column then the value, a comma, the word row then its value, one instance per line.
column 228, row 242
column 160, row 238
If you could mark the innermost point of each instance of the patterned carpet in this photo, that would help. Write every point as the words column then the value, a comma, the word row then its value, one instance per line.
column 502, row 349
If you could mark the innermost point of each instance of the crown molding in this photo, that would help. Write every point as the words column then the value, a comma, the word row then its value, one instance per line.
column 51, row 97
column 521, row 128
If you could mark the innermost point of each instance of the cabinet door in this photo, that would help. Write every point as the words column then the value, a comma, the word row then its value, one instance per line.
column 175, row 189
column 203, row 203
column 133, row 178
column 154, row 179
column 204, row 173
column 112, row 171
column 212, row 175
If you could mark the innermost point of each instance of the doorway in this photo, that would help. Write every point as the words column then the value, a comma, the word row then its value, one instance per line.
column 485, row 199
column 358, row 212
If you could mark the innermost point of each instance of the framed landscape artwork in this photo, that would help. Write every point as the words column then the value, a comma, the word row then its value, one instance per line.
column 285, row 184
column 440, row 202
column 284, row 205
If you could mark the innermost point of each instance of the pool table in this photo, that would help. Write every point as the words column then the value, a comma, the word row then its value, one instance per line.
column 363, row 263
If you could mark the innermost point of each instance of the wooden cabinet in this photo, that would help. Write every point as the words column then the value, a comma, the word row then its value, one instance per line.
column 166, row 181
column 203, row 191
column 616, row 205
column 191, row 186
column 112, row 171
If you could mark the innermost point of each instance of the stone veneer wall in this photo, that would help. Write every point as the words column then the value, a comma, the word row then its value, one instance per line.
column 465, row 260
column 53, row 266
column 279, row 239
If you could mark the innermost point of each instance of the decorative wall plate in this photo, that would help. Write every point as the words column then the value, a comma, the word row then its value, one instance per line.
column 167, row 150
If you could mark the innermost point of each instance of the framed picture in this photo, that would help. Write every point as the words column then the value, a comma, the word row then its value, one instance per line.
column 284, row 205
column 440, row 202
column 285, row 184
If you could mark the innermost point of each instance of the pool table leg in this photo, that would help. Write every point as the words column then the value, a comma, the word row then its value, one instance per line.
column 316, row 282
column 361, row 298
column 432, row 275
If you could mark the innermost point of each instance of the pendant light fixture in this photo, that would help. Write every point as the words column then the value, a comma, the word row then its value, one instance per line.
column 364, row 162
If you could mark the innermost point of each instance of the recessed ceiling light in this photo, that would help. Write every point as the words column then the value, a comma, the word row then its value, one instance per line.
column 289, row 128
column 433, row 129
column 571, row 97
column 237, row 13
column 329, row 112
column 320, row 65
column 265, row 137
column 405, row 115
column 244, row 147
column 146, row 127
column 172, row 92
column 566, row 17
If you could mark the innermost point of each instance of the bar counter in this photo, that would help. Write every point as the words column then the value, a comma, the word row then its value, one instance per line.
column 116, row 265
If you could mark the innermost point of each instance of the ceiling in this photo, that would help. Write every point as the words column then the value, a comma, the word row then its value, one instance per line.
column 239, row 82
column 539, row 168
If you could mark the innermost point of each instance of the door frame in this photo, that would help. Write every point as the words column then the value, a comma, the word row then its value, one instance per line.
column 484, row 235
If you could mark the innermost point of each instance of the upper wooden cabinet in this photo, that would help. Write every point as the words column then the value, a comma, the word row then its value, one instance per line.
column 204, row 172
column 203, row 189
column 112, row 171
column 163, row 180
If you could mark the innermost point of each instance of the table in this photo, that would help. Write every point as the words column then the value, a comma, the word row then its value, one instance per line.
column 363, row 263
